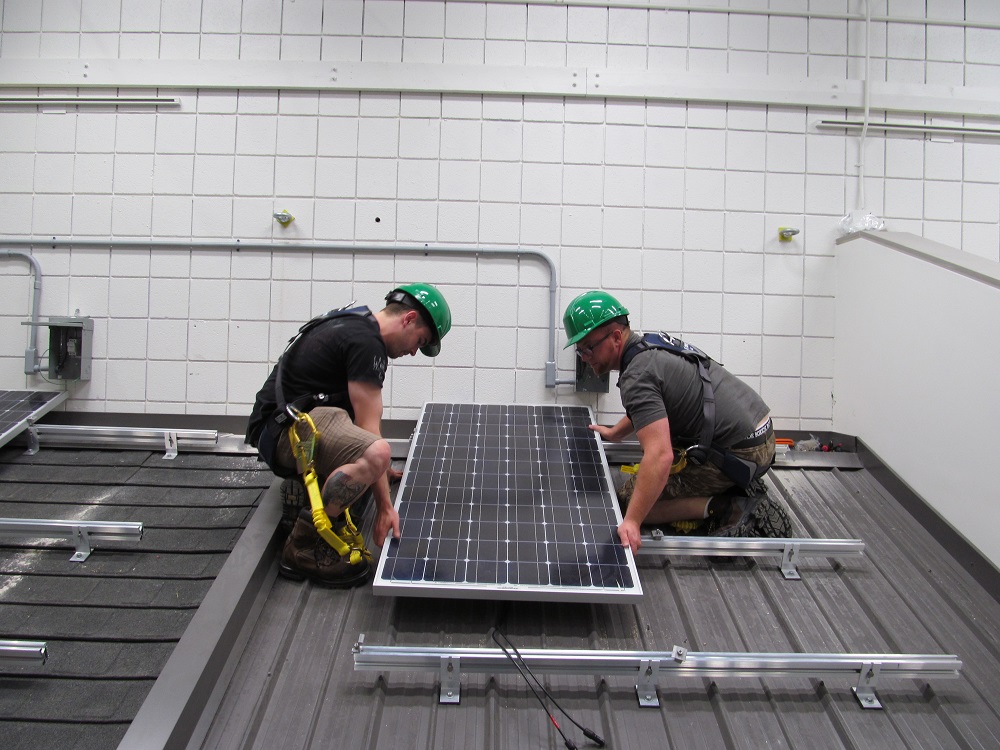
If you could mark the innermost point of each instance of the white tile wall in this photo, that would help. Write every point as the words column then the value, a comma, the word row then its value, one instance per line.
column 674, row 206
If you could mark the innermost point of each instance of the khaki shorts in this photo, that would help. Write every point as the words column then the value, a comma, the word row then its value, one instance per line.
column 341, row 441
column 707, row 480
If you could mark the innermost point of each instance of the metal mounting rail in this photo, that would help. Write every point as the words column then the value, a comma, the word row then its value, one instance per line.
column 15, row 653
column 80, row 533
column 788, row 549
column 123, row 437
column 648, row 668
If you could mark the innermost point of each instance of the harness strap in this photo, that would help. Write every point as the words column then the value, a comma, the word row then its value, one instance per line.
column 739, row 470
column 304, row 403
column 304, row 449
column 666, row 342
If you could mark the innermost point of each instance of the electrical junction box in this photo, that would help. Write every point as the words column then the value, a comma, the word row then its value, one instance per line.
column 71, row 343
column 588, row 381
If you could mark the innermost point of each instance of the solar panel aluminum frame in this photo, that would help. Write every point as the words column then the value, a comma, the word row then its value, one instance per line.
column 20, row 409
column 620, row 590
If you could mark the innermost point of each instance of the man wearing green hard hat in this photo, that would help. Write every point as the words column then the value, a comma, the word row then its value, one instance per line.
column 320, row 411
column 706, row 436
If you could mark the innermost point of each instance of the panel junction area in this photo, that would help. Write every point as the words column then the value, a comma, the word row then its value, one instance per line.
column 507, row 502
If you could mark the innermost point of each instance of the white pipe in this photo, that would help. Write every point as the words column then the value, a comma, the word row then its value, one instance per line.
column 550, row 365
column 904, row 127
column 867, row 88
column 31, row 365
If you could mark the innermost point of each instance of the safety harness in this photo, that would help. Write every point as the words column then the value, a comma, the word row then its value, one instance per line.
column 741, row 471
column 309, row 401
column 349, row 543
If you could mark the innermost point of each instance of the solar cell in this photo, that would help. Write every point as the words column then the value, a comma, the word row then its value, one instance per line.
column 19, row 408
column 507, row 501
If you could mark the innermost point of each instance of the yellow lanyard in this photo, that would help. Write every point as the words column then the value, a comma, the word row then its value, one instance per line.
column 304, row 451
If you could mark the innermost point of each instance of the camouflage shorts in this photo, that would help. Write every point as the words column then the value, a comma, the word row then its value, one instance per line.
column 705, row 480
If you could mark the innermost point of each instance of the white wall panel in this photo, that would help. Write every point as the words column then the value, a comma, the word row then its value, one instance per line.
column 666, row 184
column 889, row 406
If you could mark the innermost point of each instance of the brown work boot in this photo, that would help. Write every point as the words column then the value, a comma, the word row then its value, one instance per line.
column 307, row 556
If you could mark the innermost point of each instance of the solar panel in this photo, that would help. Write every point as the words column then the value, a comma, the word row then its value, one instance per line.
column 18, row 409
column 507, row 501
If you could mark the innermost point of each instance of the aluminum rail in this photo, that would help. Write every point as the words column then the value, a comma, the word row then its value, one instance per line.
column 649, row 667
column 516, row 252
column 80, row 533
column 15, row 653
column 73, row 101
column 129, row 437
column 790, row 550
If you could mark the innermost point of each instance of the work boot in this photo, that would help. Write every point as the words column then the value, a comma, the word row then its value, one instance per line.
column 759, row 516
column 306, row 555
column 293, row 499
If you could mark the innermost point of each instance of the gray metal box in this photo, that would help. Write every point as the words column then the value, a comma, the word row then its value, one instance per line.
column 71, row 342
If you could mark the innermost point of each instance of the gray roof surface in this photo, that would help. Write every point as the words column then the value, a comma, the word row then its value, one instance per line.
column 112, row 621
column 295, row 685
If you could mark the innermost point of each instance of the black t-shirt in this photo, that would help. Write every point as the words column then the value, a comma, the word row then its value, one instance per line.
column 324, row 360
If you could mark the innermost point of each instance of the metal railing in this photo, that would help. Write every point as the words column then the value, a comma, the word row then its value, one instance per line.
column 168, row 439
column 789, row 550
column 16, row 653
column 78, row 533
column 649, row 668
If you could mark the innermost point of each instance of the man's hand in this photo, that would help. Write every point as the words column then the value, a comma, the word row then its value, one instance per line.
column 616, row 433
column 394, row 476
column 628, row 532
column 387, row 520
column 606, row 433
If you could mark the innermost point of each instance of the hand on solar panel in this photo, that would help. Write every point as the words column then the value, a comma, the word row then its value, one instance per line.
column 387, row 520
column 628, row 532
column 616, row 433
column 604, row 432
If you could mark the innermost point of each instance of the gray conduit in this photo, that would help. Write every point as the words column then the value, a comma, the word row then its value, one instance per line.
column 31, row 365
column 550, row 364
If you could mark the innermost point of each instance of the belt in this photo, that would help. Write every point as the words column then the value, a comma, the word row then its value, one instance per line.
column 757, row 437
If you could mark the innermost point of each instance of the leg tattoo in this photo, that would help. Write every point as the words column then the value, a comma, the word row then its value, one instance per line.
column 339, row 492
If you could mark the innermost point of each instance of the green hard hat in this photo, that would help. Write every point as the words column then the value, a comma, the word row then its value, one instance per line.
column 434, row 310
column 587, row 312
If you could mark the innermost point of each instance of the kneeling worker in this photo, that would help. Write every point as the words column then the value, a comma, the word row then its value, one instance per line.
column 330, row 378
column 706, row 436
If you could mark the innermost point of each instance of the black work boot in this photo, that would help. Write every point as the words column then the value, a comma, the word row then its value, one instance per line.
column 293, row 499
column 759, row 516
column 307, row 556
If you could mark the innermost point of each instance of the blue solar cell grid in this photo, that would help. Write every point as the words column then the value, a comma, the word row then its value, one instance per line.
column 507, row 500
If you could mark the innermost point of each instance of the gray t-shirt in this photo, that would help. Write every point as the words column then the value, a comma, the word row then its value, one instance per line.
column 658, row 384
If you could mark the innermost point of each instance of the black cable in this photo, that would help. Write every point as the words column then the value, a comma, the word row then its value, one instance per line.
column 570, row 745
column 518, row 663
